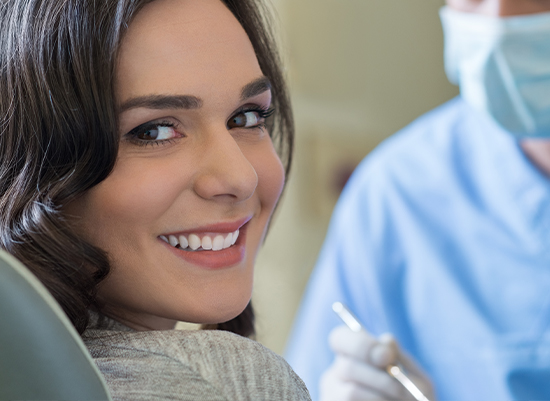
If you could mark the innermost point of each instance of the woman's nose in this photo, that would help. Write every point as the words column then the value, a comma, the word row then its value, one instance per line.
column 224, row 172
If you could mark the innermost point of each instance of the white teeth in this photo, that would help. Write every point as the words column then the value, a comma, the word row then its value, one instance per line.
column 227, row 241
column 206, row 243
column 217, row 244
column 194, row 242
column 183, row 242
column 173, row 240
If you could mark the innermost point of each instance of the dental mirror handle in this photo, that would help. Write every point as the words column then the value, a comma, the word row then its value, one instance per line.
column 393, row 370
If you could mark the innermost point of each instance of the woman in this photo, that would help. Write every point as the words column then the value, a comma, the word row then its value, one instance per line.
column 138, row 179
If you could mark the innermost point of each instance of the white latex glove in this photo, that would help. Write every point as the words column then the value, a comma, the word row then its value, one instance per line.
column 359, row 369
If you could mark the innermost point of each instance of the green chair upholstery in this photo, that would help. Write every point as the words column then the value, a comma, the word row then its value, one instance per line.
column 41, row 355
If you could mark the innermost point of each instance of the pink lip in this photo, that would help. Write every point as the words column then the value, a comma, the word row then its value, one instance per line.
column 213, row 260
column 227, row 227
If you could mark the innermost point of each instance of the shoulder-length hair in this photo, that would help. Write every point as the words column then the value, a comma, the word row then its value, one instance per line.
column 58, row 132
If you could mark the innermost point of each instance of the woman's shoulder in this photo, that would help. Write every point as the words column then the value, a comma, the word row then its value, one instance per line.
column 224, row 364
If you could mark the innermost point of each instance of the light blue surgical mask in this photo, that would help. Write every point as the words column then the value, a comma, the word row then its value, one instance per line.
column 502, row 66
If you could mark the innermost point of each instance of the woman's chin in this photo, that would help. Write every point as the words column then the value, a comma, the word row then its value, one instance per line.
column 222, row 314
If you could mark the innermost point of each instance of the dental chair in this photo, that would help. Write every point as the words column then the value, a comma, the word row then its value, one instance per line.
column 41, row 355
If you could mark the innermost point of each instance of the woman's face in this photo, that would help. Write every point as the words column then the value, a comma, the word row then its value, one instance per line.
column 195, row 167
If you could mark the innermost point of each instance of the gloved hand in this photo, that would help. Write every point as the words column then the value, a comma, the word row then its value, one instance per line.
column 359, row 369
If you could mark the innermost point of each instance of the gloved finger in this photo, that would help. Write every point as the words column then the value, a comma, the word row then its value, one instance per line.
column 333, row 388
column 385, row 352
column 367, row 376
column 350, row 343
column 411, row 368
column 401, row 356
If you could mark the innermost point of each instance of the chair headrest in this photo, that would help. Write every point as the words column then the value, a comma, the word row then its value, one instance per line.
column 41, row 355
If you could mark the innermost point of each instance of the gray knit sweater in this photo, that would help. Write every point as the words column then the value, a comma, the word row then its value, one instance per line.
column 189, row 365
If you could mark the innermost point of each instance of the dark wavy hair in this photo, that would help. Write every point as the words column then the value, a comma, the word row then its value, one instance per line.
column 58, row 132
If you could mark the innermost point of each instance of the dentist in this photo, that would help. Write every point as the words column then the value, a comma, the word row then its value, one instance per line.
column 442, row 235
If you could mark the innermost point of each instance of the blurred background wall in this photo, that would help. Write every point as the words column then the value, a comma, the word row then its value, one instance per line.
column 359, row 70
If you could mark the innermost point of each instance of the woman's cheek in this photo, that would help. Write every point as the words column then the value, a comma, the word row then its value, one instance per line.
column 150, row 191
column 271, row 176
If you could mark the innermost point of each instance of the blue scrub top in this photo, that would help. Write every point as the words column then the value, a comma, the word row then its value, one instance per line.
column 441, row 237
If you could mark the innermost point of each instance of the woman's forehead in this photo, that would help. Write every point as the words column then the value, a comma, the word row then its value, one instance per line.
column 184, row 47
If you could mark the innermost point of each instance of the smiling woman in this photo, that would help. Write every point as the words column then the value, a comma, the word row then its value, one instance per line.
column 141, row 147
column 195, row 162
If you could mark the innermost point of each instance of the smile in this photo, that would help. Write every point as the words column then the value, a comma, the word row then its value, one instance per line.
column 208, row 242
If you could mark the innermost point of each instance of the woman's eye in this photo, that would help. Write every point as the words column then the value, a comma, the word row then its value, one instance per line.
column 156, row 133
column 245, row 119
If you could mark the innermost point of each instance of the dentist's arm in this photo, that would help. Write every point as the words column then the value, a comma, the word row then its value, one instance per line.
column 359, row 369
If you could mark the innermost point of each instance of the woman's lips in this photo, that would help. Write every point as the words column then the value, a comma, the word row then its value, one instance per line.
column 215, row 246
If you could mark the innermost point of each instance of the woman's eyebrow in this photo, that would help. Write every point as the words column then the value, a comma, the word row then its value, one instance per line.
column 255, row 87
column 162, row 102
column 159, row 102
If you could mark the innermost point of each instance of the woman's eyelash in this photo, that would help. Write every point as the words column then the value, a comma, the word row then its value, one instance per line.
column 148, row 126
column 263, row 113
column 143, row 128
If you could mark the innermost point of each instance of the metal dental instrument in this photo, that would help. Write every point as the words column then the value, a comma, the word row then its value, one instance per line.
column 393, row 370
